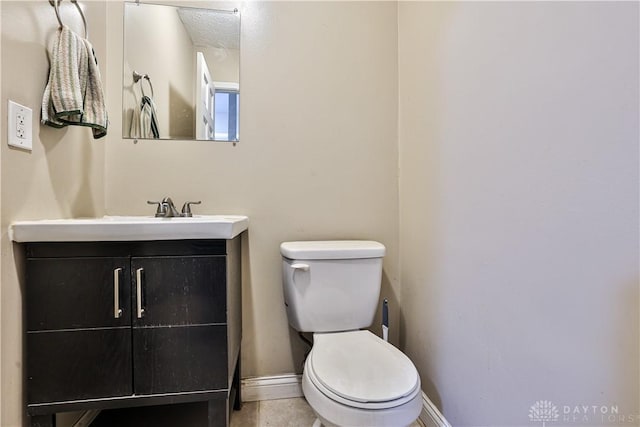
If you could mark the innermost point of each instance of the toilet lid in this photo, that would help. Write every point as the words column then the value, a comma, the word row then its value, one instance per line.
column 361, row 367
column 332, row 249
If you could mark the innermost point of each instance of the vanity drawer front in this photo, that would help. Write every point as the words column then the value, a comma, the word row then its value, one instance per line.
column 179, row 359
column 73, row 293
column 77, row 365
column 179, row 290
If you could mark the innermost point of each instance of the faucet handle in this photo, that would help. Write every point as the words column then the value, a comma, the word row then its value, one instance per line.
column 160, row 211
column 186, row 208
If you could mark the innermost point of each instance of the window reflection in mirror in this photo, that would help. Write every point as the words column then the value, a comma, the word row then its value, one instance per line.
column 227, row 107
column 188, row 66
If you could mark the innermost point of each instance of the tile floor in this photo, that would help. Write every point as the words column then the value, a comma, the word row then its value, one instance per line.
column 277, row 413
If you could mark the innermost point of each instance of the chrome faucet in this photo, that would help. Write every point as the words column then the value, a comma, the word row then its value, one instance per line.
column 166, row 208
column 170, row 210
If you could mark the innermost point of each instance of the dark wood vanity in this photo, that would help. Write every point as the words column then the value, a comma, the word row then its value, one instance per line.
column 127, row 324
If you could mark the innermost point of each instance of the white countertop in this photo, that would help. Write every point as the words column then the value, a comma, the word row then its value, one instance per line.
column 129, row 228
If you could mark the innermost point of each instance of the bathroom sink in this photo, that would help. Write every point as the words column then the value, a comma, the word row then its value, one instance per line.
column 128, row 228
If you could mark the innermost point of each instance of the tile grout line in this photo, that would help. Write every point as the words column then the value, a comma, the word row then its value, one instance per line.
column 258, row 411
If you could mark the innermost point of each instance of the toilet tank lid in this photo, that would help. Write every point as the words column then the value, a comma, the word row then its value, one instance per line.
column 332, row 249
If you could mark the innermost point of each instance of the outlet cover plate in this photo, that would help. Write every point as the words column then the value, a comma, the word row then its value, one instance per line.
column 20, row 126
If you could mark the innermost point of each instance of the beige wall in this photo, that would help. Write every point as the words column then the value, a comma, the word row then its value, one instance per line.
column 317, row 157
column 2, row 131
column 295, row 174
column 152, row 32
column 61, row 178
column 519, row 206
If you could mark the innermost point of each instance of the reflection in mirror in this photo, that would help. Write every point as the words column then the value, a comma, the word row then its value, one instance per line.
column 181, row 74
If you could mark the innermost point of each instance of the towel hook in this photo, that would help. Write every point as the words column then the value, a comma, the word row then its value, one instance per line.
column 136, row 78
column 55, row 4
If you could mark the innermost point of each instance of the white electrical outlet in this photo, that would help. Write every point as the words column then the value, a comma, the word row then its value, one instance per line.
column 19, row 126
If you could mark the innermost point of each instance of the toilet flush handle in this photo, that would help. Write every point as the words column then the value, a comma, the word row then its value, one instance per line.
column 300, row 266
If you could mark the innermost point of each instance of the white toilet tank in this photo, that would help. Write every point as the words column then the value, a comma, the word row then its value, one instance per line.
column 331, row 286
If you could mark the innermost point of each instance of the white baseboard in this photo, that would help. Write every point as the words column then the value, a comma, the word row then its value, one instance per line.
column 430, row 415
column 289, row 386
column 271, row 388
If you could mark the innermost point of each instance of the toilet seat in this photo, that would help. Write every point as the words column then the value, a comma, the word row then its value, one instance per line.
column 360, row 370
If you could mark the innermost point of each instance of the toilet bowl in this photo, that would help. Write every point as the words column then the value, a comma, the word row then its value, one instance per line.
column 357, row 379
column 351, row 377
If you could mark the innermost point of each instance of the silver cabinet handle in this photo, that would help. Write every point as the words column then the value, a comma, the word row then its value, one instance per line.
column 117, row 311
column 139, row 278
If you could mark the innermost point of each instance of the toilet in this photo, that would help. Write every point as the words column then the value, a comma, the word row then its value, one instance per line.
column 351, row 377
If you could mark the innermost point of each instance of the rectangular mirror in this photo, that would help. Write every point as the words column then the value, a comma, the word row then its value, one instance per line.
column 181, row 73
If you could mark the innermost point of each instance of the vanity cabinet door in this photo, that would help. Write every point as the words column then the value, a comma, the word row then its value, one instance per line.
column 75, row 293
column 179, row 326
column 179, row 359
column 78, row 343
column 179, row 290
column 78, row 364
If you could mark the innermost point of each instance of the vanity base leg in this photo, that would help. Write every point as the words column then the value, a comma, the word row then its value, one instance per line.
column 218, row 413
column 235, row 387
column 43, row 420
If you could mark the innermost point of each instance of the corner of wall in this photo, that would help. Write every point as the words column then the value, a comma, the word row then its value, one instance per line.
column 2, row 132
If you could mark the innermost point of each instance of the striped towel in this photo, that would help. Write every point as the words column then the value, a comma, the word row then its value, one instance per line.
column 74, row 95
column 149, row 118
column 144, row 120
